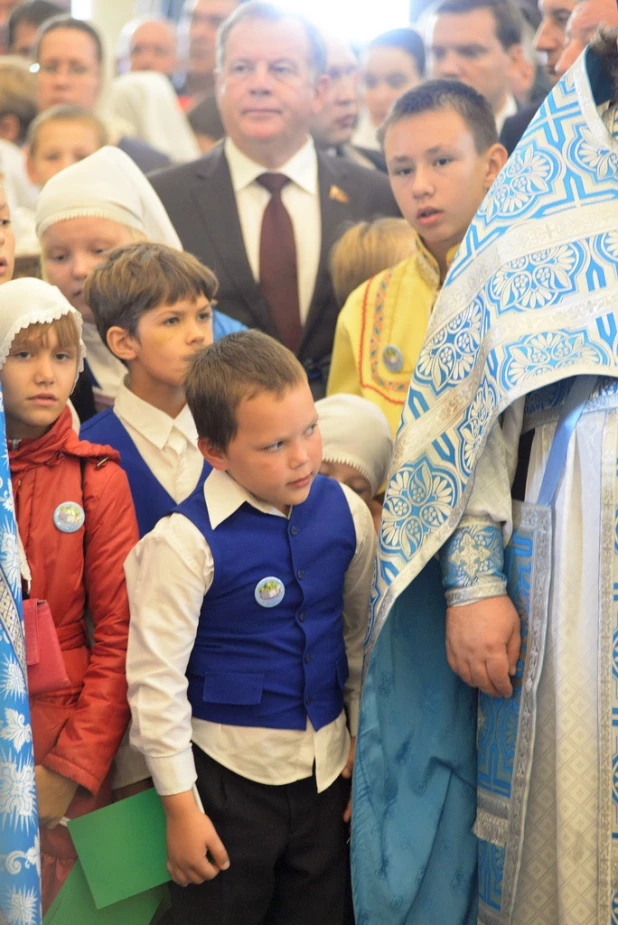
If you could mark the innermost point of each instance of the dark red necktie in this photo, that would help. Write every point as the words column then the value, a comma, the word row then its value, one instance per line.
column 278, row 271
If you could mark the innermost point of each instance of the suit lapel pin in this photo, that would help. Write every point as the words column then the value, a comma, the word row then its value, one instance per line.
column 338, row 194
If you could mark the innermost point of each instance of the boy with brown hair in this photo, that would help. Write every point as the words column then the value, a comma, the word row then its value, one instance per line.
column 249, row 609
column 442, row 154
column 153, row 308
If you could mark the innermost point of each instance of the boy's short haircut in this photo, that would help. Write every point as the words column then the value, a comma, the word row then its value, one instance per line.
column 65, row 113
column 138, row 277
column 17, row 93
column 406, row 39
column 506, row 13
column 438, row 95
column 239, row 366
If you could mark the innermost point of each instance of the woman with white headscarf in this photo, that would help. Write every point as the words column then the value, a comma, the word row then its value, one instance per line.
column 100, row 203
column 146, row 100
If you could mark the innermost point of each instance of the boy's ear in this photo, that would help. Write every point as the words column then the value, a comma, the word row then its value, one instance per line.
column 496, row 158
column 121, row 343
column 213, row 455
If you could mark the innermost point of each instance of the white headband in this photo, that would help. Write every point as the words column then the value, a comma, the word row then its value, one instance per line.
column 108, row 184
column 355, row 432
column 31, row 301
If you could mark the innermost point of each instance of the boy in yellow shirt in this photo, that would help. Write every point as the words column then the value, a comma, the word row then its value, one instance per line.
column 442, row 155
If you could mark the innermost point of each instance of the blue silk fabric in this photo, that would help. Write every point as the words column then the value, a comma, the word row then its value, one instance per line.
column 529, row 301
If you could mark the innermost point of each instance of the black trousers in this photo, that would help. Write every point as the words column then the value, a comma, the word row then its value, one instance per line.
column 287, row 850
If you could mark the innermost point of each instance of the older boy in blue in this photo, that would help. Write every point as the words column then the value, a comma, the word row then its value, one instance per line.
column 249, row 610
column 152, row 308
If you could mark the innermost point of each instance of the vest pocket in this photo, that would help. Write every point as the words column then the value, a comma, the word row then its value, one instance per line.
column 342, row 671
column 233, row 687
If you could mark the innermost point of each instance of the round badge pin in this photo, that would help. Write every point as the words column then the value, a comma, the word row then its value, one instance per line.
column 69, row 517
column 393, row 358
column 269, row 591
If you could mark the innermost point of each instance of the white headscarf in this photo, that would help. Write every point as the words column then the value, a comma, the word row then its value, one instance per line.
column 355, row 432
column 31, row 301
column 147, row 101
column 108, row 184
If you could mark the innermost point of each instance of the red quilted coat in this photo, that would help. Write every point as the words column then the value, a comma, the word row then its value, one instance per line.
column 77, row 731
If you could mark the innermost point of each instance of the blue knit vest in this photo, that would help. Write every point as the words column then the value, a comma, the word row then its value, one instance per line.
column 151, row 500
column 272, row 666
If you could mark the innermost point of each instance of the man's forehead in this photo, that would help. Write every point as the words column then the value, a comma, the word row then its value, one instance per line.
column 285, row 38
column 588, row 15
column 556, row 6
column 213, row 7
column 338, row 54
column 153, row 29
column 464, row 28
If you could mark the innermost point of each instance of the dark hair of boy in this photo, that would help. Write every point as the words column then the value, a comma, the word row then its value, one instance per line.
column 237, row 367
column 65, row 113
column 17, row 98
column 32, row 12
column 509, row 19
column 405, row 39
column 438, row 95
column 138, row 277
column 69, row 22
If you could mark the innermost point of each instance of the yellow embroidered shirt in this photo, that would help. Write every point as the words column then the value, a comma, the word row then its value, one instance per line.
column 380, row 332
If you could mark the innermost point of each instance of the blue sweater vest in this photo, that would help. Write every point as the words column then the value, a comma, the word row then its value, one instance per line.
column 150, row 498
column 256, row 664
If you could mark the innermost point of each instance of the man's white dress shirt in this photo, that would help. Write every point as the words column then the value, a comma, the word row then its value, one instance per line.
column 301, row 198
column 167, row 445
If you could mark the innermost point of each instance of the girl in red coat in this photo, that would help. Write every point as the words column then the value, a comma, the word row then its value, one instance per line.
column 76, row 525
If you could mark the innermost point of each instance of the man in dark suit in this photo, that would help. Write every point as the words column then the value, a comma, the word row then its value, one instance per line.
column 264, row 208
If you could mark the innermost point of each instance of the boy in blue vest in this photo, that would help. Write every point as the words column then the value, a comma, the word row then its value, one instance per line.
column 152, row 306
column 248, row 614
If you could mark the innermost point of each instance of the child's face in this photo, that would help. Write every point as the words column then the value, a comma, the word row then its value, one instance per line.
column 438, row 177
column 348, row 475
column 7, row 242
column 37, row 379
column 277, row 449
column 167, row 339
column 73, row 248
column 60, row 144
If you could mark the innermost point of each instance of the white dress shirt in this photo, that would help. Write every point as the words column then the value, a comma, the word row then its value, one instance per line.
column 301, row 198
column 106, row 368
column 509, row 109
column 168, row 574
column 167, row 445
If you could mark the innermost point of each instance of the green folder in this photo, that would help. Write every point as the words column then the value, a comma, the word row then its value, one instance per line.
column 74, row 905
column 122, row 849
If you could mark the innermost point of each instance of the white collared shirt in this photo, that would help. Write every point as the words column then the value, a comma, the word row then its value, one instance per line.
column 107, row 370
column 301, row 198
column 167, row 445
column 509, row 109
column 168, row 574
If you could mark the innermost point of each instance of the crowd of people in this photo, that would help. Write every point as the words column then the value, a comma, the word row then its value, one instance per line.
column 308, row 358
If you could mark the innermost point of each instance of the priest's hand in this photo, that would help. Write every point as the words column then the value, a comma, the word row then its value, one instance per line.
column 483, row 642
column 54, row 794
